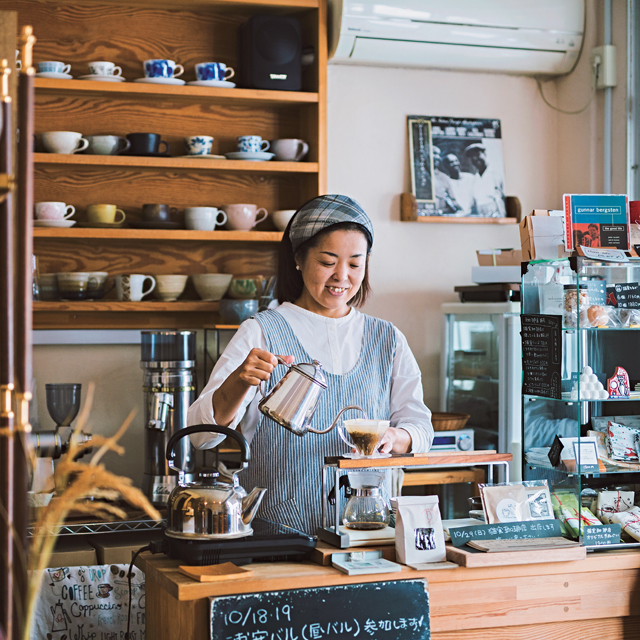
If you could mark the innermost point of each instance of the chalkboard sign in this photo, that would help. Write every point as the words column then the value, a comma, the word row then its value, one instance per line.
column 507, row 531
column 394, row 610
column 541, row 355
column 421, row 156
column 601, row 536
column 628, row 295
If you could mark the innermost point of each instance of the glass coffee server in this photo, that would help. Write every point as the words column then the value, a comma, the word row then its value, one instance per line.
column 580, row 330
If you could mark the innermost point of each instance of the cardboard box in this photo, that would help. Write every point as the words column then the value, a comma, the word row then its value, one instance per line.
column 491, row 275
column 72, row 551
column 118, row 548
column 499, row 257
column 540, row 235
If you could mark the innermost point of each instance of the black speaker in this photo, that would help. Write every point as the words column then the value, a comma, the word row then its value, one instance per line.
column 270, row 51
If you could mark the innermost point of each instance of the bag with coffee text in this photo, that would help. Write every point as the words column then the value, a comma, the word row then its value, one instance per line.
column 419, row 534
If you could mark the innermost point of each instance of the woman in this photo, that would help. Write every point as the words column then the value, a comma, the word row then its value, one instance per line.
column 322, row 277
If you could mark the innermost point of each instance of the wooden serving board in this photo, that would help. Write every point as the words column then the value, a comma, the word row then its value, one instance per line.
column 473, row 559
column 216, row 572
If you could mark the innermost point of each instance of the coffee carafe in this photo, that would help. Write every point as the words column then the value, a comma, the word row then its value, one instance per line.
column 294, row 400
column 367, row 509
column 168, row 360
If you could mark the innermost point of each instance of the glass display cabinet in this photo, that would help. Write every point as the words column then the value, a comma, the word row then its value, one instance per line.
column 580, row 407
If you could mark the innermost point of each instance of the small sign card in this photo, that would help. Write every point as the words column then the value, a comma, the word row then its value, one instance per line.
column 541, row 355
column 628, row 295
column 605, row 255
column 512, row 531
column 601, row 536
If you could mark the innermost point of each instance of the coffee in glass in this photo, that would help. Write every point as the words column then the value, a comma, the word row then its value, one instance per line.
column 364, row 436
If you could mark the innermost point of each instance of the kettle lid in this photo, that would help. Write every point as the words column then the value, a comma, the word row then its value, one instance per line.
column 312, row 370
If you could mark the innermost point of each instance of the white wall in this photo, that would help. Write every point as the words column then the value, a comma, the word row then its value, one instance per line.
column 415, row 266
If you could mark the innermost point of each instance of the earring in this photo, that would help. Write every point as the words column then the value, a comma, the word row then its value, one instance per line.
column 297, row 267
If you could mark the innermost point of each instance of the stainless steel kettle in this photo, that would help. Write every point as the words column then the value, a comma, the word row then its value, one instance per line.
column 208, row 509
column 294, row 400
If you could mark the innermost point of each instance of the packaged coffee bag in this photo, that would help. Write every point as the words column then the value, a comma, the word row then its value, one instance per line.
column 419, row 534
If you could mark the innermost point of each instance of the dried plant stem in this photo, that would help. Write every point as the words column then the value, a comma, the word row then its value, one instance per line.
column 80, row 481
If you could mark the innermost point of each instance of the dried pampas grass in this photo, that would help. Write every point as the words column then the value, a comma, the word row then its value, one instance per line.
column 78, row 481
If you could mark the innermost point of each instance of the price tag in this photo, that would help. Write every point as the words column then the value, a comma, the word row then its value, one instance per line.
column 600, row 536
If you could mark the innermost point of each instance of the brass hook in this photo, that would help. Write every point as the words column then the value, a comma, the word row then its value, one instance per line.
column 28, row 40
column 4, row 90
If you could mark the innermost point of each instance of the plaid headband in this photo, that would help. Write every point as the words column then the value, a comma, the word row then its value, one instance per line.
column 324, row 211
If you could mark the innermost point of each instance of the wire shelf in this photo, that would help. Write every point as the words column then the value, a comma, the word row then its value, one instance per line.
column 86, row 528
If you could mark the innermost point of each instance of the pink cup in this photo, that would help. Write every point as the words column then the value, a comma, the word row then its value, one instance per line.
column 53, row 210
column 243, row 217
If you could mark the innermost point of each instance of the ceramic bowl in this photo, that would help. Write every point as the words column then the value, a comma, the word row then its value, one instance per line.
column 237, row 311
column 281, row 218
column 211, row 286
column 170, row 288
column 243, row 289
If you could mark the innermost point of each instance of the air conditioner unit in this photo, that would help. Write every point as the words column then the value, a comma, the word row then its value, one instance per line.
column 509, row 36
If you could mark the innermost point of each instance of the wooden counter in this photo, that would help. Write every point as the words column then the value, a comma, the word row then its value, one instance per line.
column 592, row 598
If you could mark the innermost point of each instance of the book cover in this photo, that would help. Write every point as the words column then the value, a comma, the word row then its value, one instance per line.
column 457, row 167
column 596, row 221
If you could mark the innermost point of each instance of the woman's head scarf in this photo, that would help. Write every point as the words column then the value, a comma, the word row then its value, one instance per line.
column 323, row 212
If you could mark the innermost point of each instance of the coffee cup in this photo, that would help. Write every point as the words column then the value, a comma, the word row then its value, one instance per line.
column 158, row 212
column 64, row 142
column 98, row 287
column 281, row 218
column 162, row 68
column 252, row 144
column 107, row 145
column 203, row 218
column 104, row 213
column 53, row 66
column 214, row 71
column 143, row 144
column 243, row 217
column 73, row 285
column 198, row 145
column 170, row 288
column 130, row 287
column 289, row 149
column 364, row 436
column 104, row 68
column 104, row 590
column 53, row 210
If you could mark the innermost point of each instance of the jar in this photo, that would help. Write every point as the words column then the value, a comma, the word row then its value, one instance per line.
column 574, row 304
column 473, row 363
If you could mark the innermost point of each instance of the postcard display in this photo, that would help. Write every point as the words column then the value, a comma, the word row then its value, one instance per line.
column 581, row 394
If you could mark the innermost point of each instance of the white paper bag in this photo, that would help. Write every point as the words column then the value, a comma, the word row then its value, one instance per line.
column 419, row 534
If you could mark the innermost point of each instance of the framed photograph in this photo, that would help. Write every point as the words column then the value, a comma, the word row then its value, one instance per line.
column 457, row 167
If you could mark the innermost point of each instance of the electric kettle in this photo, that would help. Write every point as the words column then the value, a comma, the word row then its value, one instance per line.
column 208, row 509
column 294, row 400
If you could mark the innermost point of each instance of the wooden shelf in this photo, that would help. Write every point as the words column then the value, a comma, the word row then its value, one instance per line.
column 153, row 91
column 409, row 213
column 142, row 162
column 89, row 306
column 158, row 234
column 469, row 220
column 213, row 6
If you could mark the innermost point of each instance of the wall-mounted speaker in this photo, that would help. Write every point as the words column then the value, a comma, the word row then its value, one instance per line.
column 270, row 51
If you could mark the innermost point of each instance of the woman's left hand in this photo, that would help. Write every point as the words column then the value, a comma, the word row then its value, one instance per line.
column 395, row 440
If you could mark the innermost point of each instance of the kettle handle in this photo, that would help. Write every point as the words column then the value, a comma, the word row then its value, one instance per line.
column 280, row 361
column 207, row 428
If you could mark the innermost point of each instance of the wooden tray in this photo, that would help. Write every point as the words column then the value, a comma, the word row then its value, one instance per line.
column 216, row 572
column 469, row 558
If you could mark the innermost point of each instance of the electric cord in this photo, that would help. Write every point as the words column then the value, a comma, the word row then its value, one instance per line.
column 596, row 68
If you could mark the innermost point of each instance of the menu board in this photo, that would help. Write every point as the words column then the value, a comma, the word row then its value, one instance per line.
column 628, row 295
column 601, row 536
column 541, row 355
column 394, row 610
column 506, row 531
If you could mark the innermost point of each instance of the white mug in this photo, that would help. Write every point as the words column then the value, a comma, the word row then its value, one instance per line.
column 203, row 218
column 64, row 142
column 104, row 68
column 53, row 210
column 130, row 287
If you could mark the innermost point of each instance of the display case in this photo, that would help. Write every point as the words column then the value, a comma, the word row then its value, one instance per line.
column 580, row 412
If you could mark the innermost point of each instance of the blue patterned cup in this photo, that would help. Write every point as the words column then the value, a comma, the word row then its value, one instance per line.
column 252, row 144
column 198, row 145
column 52, row 66
column 214, row 71
column 161, row 68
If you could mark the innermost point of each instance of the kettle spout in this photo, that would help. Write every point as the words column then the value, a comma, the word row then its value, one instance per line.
column 250, row 504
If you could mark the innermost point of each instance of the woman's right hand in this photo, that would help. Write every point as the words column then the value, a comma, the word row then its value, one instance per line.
column 258, row 366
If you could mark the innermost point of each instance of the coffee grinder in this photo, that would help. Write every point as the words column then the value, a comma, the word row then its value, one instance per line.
column 168, row 362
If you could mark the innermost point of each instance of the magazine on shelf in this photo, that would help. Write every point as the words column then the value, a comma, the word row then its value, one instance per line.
column 596, row 221
column 457, row 167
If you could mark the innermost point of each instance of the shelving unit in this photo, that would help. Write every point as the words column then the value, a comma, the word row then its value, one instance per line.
column 127, row 32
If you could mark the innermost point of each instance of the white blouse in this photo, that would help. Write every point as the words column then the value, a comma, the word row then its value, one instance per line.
column 336, row 342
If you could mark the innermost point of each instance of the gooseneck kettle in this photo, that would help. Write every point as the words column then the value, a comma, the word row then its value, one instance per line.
column 208, row 509
column 294, row 399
